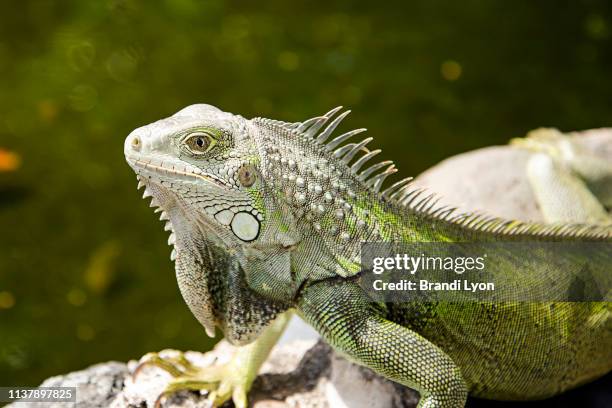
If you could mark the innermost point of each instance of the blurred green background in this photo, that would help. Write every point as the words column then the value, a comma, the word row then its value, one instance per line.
column 85, row 274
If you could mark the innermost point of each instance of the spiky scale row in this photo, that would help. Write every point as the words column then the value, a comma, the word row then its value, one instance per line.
column 403, row 193
column 323, row 136
column 357, row 147
column 163, row 216
column 397, row 188
column 363, row 159
column 364, row 175
column 375, row 182
column 304, row 126
column 329, row 146
column 347, row 152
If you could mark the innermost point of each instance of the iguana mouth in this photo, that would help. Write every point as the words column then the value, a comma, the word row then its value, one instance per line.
column 156, row 168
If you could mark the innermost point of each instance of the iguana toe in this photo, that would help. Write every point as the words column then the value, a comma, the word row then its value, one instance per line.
column 222, row 382
column 173, row 362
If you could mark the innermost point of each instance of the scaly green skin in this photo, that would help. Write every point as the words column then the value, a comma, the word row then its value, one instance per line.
column 250, row 247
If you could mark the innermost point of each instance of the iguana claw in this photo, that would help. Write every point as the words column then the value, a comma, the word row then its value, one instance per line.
column 175, row 365
column 222, row 382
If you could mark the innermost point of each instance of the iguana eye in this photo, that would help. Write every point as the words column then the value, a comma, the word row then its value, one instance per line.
column 200, row 142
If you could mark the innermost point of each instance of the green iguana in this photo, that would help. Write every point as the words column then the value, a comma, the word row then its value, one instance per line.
column 268, row 217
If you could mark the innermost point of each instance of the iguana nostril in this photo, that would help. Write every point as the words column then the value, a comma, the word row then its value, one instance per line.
column 136, row 143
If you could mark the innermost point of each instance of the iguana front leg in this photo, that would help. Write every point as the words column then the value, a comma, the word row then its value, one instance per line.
column 347, row 320
column 230, row 380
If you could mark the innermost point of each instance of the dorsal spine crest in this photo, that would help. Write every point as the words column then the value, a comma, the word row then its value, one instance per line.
column 402, row 193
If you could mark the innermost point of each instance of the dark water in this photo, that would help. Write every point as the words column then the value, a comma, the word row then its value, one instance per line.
column 85, row 274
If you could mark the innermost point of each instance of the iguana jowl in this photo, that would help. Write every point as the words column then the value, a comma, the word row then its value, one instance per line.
column 268, row 217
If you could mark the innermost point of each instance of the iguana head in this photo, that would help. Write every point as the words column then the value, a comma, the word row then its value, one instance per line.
column 202, row 161
column 201, row 168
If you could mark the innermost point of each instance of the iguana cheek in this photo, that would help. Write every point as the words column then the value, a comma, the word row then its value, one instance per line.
column 245, row 226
